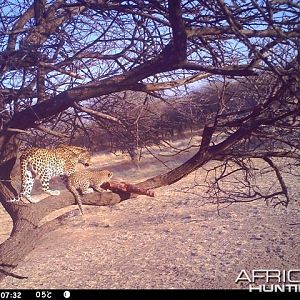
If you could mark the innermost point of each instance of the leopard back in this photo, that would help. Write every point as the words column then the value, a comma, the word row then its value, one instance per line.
column 87, row 178
column 85, row 181
column 45, row 163
column 54, row 162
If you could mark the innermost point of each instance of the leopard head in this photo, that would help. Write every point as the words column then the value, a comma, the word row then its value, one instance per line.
column 83, row 155
column 85, row 158
column 107, row 175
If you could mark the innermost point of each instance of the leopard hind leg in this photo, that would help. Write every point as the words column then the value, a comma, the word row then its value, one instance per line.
column 27, row 181
column 45, row 178
column 97, row 187
column 27, row 185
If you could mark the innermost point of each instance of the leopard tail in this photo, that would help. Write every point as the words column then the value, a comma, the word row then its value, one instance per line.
column 77, row 197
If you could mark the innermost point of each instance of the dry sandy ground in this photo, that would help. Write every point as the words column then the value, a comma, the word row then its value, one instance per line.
column 170, row 241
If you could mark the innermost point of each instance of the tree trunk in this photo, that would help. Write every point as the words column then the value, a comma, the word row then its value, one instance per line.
column 27, row 227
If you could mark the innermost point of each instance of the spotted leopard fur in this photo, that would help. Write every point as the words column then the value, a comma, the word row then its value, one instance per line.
column 47, row 163
column 87, row 181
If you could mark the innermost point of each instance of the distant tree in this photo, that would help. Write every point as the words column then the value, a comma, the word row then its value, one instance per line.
column 57, row 56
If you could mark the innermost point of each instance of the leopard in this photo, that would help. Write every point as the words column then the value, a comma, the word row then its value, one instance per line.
column 86, row 182
column 44, row 164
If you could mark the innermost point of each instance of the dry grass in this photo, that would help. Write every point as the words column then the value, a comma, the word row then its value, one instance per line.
column 170, row 241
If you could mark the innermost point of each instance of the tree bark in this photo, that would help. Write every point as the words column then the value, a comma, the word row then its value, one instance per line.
column 28, row 228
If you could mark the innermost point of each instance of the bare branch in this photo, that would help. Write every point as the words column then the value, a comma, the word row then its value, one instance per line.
column 60, row 70
column 280, row 178
column 15, row 130
column 238, row 70
column 96, row 113
column 50, row 131
column 7, row 273
column 149, row 87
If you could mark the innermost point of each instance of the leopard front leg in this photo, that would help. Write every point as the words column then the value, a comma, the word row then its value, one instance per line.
column 98, row 188
column 45, row 178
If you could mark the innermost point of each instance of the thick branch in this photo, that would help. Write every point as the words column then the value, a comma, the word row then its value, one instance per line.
column 227, row 32
column 18, row 26
column 51, row 23
column 178, row 29
column 199, row 159
column 48, row 108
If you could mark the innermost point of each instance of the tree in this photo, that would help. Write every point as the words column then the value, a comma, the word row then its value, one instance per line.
column 72, row 52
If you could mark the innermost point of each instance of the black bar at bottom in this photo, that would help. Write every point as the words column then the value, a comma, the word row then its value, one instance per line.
column 138, row 294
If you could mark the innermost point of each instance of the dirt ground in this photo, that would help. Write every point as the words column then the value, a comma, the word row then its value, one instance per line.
column 170, row 241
